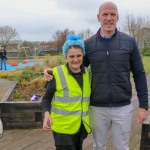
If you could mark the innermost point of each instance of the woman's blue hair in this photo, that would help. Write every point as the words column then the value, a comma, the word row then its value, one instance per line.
column 72, row 40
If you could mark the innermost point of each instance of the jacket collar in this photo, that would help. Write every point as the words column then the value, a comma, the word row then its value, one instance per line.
column 102, row 36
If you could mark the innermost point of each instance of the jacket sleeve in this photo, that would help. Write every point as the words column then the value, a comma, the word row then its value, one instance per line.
column 86, row 61
column 48, row 96
column 139, row 76
column 5, row 52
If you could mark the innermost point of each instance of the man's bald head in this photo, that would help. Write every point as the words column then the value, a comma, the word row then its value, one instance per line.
column 107, row 4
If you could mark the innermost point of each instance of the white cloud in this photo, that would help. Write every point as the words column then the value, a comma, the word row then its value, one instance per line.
column 39, row 19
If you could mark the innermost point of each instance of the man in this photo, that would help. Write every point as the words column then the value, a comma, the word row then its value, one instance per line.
column 3, row 58
column 112, row 55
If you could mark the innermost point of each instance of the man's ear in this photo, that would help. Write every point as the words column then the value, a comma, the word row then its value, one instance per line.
column 98, row 17
column 118, row 17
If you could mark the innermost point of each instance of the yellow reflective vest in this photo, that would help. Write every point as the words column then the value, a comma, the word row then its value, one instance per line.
column 70, row 106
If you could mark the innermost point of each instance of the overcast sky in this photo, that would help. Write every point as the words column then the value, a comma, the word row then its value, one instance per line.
column 38, row 20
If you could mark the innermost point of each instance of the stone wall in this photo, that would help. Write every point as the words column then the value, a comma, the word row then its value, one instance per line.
column 21, row 115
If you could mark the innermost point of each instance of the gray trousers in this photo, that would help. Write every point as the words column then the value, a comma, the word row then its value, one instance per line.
column 118, row 119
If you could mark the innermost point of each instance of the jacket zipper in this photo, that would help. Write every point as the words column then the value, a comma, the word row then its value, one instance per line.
column 107, row 52
column 108, row 75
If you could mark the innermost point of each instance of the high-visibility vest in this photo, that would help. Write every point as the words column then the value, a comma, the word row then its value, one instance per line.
column 70, row 106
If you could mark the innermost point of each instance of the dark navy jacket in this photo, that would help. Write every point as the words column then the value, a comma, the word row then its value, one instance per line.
column 111, row 61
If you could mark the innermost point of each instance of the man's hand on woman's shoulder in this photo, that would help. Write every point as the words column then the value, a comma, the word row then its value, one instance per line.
column 47, row 74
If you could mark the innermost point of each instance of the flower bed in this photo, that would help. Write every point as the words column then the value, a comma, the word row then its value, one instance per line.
column 20, row 114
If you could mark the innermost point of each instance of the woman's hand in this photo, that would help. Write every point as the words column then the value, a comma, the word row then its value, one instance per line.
column 47, row 123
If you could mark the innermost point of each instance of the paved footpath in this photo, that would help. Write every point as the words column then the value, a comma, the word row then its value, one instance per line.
column 5, row 88
column 38, row 139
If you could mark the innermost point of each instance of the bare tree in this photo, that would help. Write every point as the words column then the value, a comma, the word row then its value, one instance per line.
column 130, row 24
column 7, row 35
column 137, row 26
column 86, row 34
column 60, row 37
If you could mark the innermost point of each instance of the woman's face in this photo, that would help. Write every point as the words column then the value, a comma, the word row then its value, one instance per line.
column 75, row 59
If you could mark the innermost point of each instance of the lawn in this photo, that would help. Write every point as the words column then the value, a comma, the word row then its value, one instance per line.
column 146, row 62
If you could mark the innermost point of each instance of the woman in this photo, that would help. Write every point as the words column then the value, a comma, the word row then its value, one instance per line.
column 70, row 87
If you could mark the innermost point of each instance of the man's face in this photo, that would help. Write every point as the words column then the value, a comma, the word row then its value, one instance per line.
column 108, row 17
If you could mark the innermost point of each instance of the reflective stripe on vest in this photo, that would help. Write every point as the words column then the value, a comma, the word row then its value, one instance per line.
column 71, row 99
column 64, row 112
column 63, row 80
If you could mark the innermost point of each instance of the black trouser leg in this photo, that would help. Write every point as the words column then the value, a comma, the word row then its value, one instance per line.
column 70, row 142
column 66, row 148
column 79, row 145
column 82, row 134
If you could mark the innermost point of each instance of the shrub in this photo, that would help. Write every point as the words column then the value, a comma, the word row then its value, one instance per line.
column 10, row 75
column 26, row 76
column 147, row 53
column 18, row 95
column 26, row 90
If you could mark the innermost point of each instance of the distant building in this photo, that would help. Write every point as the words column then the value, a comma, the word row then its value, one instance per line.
column 12, row 47
column 47, row 49
column 18, row 50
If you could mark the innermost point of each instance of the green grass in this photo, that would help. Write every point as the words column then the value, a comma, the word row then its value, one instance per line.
column 146, row 62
